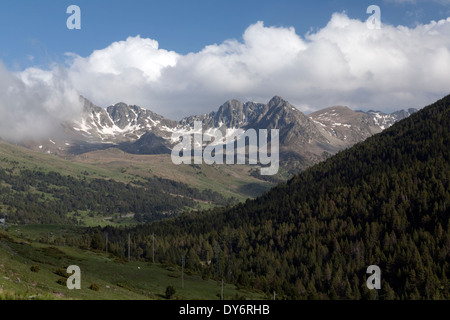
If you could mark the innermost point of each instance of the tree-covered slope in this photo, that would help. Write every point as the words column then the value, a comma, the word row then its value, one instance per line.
column 383, row 202
column 38, row 188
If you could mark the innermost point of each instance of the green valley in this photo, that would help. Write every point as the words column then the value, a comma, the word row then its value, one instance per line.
column 103, row 276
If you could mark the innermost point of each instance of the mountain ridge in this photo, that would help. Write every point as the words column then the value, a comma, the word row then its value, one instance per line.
column 304, row 139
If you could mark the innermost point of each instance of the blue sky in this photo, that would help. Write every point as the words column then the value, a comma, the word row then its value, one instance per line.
column 182, row 58
column 35, row 33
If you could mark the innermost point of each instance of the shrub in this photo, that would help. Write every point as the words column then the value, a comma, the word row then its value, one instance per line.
column 62, row 281
column 170, row 291
column 35, row 268
column 94, row 287
column 170, row 268
column 61, row 272
column 189, row 273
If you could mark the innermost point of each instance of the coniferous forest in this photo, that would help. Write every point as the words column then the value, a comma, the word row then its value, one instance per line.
column 383, row 202
column 31, row 196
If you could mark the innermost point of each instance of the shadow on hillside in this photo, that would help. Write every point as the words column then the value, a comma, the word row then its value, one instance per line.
column 253, row 189
column 148, row 144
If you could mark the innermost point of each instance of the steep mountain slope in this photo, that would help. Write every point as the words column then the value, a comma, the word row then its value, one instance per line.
column 118, row 123
column 351, row 127
column 383, row 202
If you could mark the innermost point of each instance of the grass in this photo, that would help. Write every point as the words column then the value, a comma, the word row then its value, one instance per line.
column 114, row 278
column 228, row 180
column 89, row 220
column 13, row 156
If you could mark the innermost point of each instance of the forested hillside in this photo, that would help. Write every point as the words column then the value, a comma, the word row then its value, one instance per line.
column 32, row 196
column 383, row 202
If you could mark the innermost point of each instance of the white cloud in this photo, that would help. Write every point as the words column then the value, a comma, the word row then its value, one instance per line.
column 33, row 103
column 343, row 63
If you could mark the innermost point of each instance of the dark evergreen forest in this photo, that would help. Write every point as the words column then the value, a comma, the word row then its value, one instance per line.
column 37, row 197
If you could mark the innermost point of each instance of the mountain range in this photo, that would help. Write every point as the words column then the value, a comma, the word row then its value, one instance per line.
column 305, row 139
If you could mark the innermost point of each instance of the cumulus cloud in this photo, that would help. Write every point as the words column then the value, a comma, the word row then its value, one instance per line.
column 124, row 71
column 343, row 63
column 35, row 102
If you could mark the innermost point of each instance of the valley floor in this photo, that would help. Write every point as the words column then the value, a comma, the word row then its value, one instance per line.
column 103, row 276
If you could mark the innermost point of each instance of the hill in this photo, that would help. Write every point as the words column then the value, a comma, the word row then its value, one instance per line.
column 382, row 202
column 42, row 188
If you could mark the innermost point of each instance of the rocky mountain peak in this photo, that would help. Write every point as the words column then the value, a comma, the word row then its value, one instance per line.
column 276, row 101
column 231, row 113
column 122, row 114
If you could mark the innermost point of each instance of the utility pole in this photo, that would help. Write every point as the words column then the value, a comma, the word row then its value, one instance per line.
column 217, row 260
column 153, row 247
column 106, row 241
column 182, row 272
column 221, row 293
column 129, row 245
